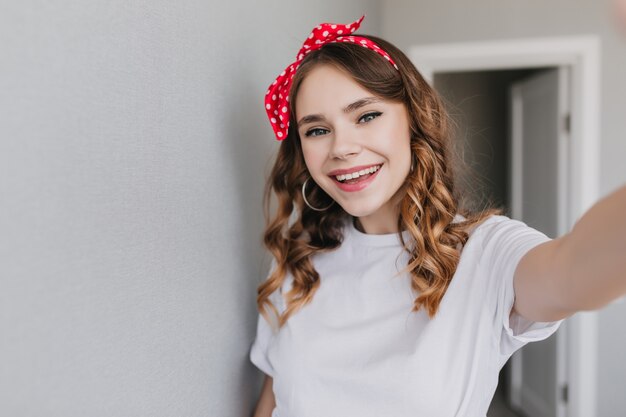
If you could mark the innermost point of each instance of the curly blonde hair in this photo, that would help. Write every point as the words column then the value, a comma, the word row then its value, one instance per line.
column 428, row 207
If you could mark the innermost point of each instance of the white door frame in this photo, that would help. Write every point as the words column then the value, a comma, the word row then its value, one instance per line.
column 522, row 396
column 582, row 55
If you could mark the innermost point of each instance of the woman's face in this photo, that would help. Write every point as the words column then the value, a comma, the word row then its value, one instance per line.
column 346, row 132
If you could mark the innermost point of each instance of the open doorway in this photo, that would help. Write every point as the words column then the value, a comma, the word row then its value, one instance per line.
column 479, row 104
column 572, row 379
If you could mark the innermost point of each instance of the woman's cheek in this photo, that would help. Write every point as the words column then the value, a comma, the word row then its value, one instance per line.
column 313, row 157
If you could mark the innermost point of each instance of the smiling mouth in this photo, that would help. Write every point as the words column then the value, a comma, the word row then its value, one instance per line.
column 357, row 176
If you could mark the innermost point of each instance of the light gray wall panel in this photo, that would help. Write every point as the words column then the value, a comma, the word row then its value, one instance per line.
column 133, row 149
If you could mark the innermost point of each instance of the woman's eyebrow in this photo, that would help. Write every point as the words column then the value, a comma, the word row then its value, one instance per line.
column 360, row 103
column 312, row 118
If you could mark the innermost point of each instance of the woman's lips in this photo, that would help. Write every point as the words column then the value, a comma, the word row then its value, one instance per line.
column 361, row 182
column 353, row 169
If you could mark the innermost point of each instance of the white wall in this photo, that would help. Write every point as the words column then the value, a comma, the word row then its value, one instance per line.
column 133, row 146
column 408, row 23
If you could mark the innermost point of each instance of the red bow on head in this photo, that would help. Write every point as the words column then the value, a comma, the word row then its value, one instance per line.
column 277, row 96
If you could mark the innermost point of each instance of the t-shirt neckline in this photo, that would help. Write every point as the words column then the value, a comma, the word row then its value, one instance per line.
column 386, row 239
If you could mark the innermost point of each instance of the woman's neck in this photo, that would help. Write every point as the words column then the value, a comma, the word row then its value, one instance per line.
column 379, row 223
column 384, row 220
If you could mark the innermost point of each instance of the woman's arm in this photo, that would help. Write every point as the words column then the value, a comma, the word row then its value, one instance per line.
column 582, row 270
column 267, row 402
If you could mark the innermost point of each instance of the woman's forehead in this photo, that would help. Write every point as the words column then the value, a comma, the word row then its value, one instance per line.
column 328, row 86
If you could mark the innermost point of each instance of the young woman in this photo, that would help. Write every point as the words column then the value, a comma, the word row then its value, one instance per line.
column 385, row 297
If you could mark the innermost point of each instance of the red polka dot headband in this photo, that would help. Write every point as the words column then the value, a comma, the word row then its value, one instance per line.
column 277, row 96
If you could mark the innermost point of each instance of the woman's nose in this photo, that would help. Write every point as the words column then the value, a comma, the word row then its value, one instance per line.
column 344, row 144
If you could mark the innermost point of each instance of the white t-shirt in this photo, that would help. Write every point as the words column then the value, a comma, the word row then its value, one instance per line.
column 358, row 350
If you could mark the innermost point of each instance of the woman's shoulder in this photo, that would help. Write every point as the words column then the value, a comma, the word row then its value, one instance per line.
column 499, row 231
column 486, row 227
column 483, row 223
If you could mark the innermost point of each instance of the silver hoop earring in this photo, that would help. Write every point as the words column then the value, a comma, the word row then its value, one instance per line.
column 307, row 202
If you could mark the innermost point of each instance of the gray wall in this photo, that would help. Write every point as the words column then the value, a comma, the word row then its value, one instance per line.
column 408, row 23
column 133, row 146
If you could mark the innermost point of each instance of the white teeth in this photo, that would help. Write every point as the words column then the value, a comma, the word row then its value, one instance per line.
column 357, row 174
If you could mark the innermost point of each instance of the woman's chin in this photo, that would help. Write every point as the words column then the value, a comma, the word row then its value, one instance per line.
column 358, row 210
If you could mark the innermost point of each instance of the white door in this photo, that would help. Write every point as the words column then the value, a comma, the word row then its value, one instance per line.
column 539, row 146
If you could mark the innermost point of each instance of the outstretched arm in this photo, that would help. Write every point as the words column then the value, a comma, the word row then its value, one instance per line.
column 582, row 270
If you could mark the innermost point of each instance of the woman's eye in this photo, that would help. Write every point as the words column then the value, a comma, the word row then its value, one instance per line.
column 369, row 116
column 315, row 132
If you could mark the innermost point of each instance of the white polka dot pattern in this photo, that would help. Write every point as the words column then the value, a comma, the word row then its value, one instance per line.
column 277, row 96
